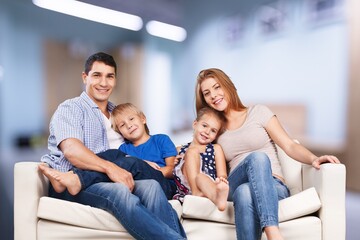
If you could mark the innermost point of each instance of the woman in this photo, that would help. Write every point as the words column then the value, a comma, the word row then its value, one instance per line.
column 255, row 178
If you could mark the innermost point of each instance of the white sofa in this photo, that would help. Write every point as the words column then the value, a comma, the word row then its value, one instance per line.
column 315, row 210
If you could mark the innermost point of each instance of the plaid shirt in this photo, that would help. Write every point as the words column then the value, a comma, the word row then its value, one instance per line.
column 78, row 118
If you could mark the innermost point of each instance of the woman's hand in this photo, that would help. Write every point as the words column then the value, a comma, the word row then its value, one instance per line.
column 324, row 159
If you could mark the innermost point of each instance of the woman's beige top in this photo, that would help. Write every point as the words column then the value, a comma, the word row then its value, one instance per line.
column 251, row 137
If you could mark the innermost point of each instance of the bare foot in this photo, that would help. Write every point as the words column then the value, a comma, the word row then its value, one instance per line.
column 51, row 174
column 222, row 191
column 71, row 181
column 62, row 180
column 273, row 233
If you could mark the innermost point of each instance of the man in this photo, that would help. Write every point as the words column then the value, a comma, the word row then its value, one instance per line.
column 80, row 128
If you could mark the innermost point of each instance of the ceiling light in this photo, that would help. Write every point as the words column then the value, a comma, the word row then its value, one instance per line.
column 165, row 30
column 93, row 13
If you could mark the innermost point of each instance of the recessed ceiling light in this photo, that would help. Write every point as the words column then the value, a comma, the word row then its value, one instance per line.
column 93, row 13
column 165, row 30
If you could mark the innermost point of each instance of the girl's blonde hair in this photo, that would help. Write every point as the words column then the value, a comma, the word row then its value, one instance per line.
column 225, row 83
column 121, row 108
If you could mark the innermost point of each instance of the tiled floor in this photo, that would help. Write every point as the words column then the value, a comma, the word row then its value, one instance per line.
column 352, row 215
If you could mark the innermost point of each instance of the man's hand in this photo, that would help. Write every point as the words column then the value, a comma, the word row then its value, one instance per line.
column 120, row 175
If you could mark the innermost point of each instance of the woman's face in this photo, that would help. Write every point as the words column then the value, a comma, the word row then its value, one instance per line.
column 213, row 94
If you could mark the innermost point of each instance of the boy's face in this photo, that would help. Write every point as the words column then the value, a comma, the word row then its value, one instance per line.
column 100, row 82
column 206, row 129
column 131, row 125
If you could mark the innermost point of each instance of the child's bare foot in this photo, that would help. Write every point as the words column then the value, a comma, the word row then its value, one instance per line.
column 51, row 174
column 222, row 191
column 62, row 180
column 71, row 181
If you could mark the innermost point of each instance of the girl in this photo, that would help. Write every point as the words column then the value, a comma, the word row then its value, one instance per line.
column 202, row 170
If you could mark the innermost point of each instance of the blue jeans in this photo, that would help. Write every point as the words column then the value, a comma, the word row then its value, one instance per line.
column 255, row 193
column 145, row 213
column 139, row 169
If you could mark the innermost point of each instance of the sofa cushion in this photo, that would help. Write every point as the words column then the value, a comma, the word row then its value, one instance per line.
column 308, row 228
column 291, row 170
column 297, row 205
column 76, row 214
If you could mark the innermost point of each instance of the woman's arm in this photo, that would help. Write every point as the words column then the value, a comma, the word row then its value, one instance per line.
column 293, row 149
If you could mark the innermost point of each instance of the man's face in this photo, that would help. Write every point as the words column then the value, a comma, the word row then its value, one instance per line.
column 100, row 82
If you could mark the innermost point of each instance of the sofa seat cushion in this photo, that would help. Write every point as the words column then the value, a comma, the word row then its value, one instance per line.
column 50, row 230
column 297, row 205
column 308, row 228
column 80, row 215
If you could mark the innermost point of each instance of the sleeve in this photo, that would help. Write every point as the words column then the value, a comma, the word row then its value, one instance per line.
column 167, row 147
column 124, row 147
column 264, row 113
column 68, row 122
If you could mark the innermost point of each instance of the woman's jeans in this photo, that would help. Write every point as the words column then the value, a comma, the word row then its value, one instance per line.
column 255, row 193
column 139, row 169
column 145, row 213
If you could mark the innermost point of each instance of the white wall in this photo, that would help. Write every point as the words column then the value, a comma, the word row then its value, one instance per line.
column 157, row 95
column 306, row 63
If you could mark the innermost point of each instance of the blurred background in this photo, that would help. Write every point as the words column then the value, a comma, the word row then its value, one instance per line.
column 299, row 57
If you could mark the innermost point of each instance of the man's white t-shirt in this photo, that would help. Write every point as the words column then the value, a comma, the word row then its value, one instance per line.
column 115, row 139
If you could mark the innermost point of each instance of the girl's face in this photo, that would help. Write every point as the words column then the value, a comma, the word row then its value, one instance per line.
column 213, row 94
column 130, row 125
column 206, row 129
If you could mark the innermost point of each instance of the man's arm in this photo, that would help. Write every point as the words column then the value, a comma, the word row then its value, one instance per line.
column 81, row 157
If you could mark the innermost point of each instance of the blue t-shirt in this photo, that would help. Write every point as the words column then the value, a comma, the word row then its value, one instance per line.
column 156, row 149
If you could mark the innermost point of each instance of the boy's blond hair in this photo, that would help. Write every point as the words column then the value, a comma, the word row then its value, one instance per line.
column 120, row 109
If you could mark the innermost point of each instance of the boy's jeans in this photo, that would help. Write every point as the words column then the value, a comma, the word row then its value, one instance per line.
column 137, row 167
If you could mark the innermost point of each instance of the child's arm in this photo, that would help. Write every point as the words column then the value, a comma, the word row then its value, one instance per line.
column 220, row 162
column 179, row 156
column 167, row 171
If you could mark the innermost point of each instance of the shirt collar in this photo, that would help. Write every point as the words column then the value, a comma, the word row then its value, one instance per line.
column 88, row 100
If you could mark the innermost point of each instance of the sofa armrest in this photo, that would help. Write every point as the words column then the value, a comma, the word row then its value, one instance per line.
column 330, row 184
column 29, row 186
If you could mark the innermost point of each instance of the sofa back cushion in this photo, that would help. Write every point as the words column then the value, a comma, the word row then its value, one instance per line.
column 292, row 172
